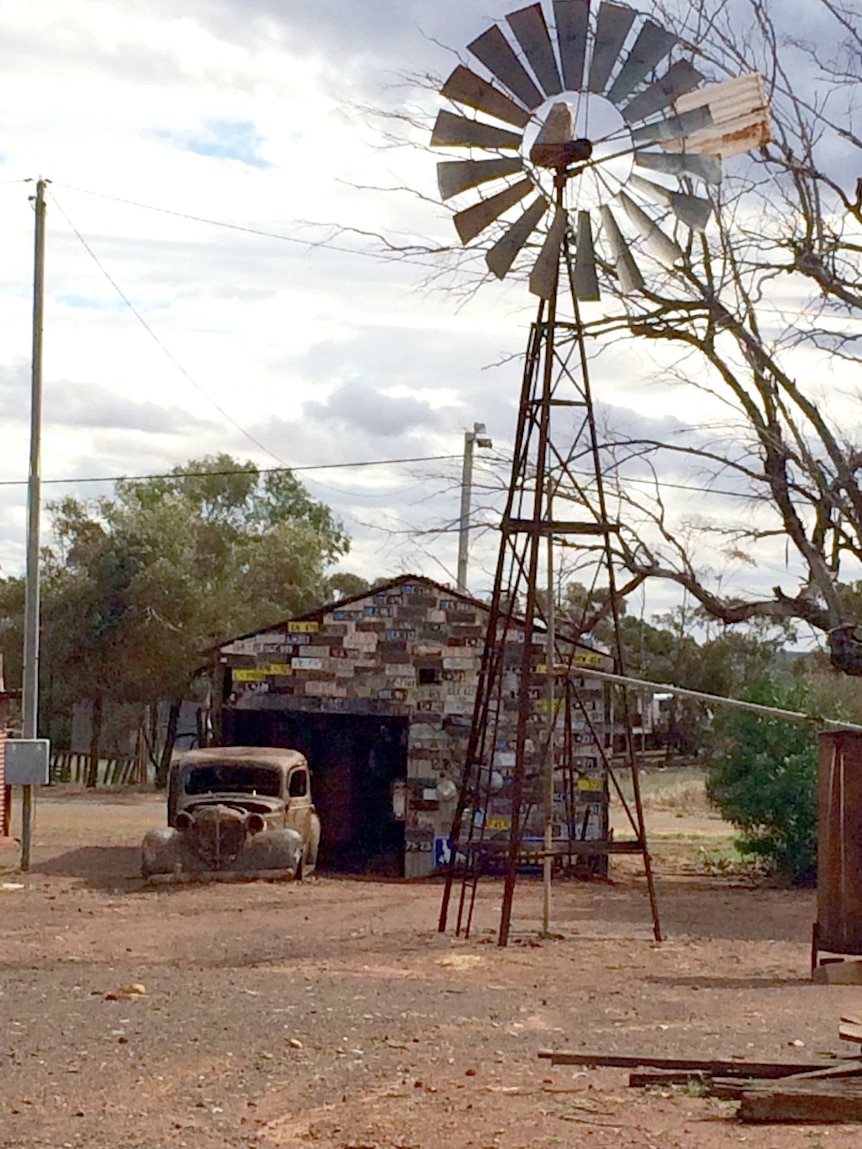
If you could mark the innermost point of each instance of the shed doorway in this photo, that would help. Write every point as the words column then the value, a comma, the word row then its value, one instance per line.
column 354, row 761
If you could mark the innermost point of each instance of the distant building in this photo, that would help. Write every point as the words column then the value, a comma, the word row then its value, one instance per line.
column 378, row 692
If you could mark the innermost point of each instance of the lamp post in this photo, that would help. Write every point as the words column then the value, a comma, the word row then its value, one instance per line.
column 478, row 437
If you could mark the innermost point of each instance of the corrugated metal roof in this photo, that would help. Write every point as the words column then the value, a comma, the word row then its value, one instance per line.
column 741, row 119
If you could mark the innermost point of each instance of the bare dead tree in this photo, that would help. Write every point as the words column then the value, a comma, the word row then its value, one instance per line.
column 763, row 317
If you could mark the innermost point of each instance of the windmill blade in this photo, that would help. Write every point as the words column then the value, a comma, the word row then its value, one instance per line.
column 573, row 22
column 505, row 251
column 694, row 212
column 465, row 87
column 452, row 131
column 545, row 276
column 475, row 219
column 613, row 26
column 673, row 128
column 586, row 281
column 665, row 250
column 630, row 278
column 678, row 80
column 706, row 168
column 456, row 176
column 531, row 32
column 652, row 45
column 741, row 118
column 498, row 56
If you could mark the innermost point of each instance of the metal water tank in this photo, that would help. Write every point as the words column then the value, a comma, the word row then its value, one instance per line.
column 839, row 857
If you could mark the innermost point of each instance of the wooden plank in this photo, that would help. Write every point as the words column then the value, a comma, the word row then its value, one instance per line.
column 652, row 1078
column 838, row 973
column 849, row 1068
column 850, row 1031
column 588, row 846
column 763, row 1069
column 815, row 1103
column 731, row 1089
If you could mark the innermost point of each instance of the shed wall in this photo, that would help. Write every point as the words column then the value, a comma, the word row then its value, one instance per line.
column 412, row 651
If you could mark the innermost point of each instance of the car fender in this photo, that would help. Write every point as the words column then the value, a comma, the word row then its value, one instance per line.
column 160, row 851
column 279, row 849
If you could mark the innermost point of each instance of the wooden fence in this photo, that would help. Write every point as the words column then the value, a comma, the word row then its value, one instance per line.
column 74, row 768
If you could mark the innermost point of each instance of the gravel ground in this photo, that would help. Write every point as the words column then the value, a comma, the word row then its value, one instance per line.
column 332, row 1014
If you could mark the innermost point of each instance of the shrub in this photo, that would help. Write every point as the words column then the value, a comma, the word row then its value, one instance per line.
column 762, row 777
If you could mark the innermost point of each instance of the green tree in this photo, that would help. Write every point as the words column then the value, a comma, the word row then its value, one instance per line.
column 684, row 648
column 12, row 627
column 136, row 587
column 763, row 778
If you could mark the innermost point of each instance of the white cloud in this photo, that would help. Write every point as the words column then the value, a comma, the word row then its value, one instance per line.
column 250, row 112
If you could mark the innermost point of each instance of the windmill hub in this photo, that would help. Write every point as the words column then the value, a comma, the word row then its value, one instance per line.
column 581, row 139
column 562, row 155
column 571, row 109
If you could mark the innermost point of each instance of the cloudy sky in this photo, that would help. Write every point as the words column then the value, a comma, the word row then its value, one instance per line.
column 256, row 328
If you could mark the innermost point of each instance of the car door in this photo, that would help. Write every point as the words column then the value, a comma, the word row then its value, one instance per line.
column 299, row 808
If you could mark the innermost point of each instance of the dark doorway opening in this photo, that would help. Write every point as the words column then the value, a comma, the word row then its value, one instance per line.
column 354, row 761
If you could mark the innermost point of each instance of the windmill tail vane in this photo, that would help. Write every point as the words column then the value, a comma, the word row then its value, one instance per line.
column 597, row 114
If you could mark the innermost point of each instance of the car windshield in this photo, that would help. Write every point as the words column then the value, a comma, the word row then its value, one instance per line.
column 216, row 777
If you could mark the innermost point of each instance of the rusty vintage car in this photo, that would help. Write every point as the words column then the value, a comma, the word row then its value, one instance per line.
column 236, row 810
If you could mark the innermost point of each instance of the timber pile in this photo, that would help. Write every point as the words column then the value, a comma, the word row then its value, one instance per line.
column 814, row 1093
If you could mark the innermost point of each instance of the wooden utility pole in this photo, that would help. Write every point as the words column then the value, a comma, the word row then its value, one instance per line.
column 30, row 683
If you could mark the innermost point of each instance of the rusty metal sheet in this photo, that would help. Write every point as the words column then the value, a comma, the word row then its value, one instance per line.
column 691, row 210
column 665, row 249
column 682, row 77
column 456, row 176
column 650, row 48
column 746, row 134
column 573, row 22
column 741, row 119
column 613, row 26
column 451, row 131
column 706, row 168
column 498, row 56
column 627, row 271
column 839, row 855
column 545, row 276
column 465, row 87
column 505, row 251
column 673, row 128
column 586, row 281
column 475, row 219
column 531, row 32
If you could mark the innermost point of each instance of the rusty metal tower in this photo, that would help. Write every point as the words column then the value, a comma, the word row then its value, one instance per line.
column 566, row 116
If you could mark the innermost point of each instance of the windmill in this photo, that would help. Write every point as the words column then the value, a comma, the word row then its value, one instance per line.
column 584, row 147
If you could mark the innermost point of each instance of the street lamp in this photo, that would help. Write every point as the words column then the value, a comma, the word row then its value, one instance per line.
column 478, row 437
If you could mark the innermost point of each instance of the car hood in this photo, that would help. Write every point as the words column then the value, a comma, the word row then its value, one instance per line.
column 251, row 803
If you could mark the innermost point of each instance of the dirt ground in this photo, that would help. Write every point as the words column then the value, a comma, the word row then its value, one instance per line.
column 331, row 1014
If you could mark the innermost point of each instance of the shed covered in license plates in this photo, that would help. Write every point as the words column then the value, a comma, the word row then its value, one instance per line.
column 377, row 691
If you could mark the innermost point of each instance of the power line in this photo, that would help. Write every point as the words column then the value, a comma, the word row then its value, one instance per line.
column 247, row 229
column 235, row 471
column 630, row 479
column 248, row 435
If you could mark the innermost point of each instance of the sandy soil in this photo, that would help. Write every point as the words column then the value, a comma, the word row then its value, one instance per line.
column 331, row 1014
